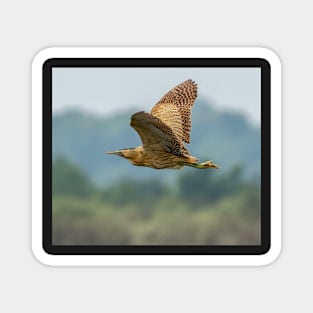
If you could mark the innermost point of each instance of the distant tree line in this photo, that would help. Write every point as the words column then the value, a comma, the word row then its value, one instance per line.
column 195, row 187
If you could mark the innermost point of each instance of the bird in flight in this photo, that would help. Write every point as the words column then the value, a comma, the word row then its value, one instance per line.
column 164, row 130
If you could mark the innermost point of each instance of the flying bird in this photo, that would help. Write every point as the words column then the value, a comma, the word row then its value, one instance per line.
column 164, row 130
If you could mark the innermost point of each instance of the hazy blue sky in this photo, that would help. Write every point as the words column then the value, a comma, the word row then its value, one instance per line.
column 105, row 90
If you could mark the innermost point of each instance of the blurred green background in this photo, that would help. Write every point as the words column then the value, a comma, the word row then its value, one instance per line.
column 102, row 199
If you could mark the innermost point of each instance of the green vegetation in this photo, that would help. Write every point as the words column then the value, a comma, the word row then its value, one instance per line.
column 102, row 199
column 199, row 207
column 224, row 137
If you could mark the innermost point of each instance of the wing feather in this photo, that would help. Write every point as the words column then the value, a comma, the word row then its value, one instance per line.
column 174, row 109
column 153, row 132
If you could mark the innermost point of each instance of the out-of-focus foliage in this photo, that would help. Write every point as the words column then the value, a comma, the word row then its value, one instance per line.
column 68, row 179
column 201, row 207
column 102, row 199
column 224, row 137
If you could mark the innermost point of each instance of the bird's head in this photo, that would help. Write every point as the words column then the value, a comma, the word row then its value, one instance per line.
column 134, row 155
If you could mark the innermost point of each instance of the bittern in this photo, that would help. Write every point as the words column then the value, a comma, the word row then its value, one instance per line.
column 164, row 130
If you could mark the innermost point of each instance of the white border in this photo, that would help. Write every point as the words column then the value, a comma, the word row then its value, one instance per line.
column 156, row 260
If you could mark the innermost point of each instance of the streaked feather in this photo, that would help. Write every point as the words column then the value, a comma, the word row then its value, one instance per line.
column 174, row 109
column 155, row 134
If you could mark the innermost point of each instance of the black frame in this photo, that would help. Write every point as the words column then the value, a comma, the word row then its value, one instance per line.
column 169, row 249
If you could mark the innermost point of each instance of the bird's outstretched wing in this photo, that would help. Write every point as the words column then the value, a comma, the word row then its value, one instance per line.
column 157, row 135
column 174, row 109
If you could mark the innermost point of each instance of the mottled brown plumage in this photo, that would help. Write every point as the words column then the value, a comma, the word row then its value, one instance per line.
column 174, row 109
column 164, row 130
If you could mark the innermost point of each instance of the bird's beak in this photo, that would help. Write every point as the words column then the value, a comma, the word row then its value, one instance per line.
column 114, row 152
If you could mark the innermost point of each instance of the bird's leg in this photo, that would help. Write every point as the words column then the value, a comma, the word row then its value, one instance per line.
column 207, row 164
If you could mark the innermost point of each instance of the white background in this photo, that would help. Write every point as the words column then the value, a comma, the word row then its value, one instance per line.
column 28, row 26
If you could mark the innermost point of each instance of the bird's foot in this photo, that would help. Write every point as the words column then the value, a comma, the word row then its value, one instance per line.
column 207, row 164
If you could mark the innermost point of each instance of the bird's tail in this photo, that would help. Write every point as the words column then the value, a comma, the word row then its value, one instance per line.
column 206, row 164
column 191, row 159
